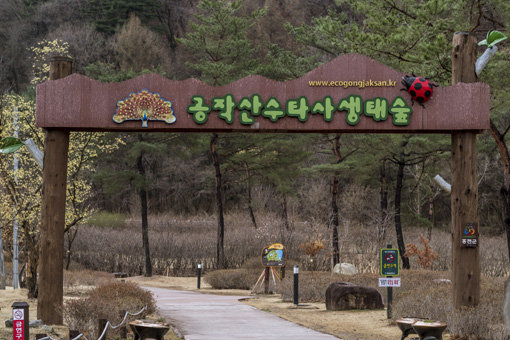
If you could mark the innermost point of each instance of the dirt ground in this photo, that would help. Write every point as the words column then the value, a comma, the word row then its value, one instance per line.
column 7, row 298
column 347, row 325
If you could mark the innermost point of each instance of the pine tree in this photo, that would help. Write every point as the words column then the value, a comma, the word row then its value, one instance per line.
column 223, row 53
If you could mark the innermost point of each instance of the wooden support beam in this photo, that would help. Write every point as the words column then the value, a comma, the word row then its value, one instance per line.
column 56, row 146
column 464, row 196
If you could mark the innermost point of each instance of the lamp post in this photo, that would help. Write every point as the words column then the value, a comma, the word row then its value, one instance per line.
column 199, row 274
column 296, row 285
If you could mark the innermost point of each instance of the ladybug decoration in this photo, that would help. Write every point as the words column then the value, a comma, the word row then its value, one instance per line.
column 419, row 88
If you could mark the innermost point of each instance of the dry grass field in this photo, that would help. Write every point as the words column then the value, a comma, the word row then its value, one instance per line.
column 178, row 244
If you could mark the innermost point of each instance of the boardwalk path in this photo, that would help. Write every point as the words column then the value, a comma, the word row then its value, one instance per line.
column 214, row 317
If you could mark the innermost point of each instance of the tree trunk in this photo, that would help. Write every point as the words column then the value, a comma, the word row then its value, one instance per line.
column 248, row 193
column 220, row 254
column 145, row 224
column 505, row 189
column 505, row 195
column 31, row 270
column 398, row 198
column 431, row 211
column 285, row 214
column 335, row 250
column 383, row 193
column 70, row 239
column 2, row 268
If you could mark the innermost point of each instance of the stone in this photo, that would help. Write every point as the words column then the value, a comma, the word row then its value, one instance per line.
column 35, row 323
column 442, row 281
column 346, row 295
column 345, row 268
column 47, row 328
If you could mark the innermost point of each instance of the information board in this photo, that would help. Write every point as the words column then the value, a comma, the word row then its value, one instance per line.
column 274, row 256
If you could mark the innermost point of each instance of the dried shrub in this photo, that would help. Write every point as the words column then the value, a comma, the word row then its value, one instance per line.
column 432, row 299
column 313, row 247
column 425, row 256
column 232, row 279
column 253, row 263
column 77, row 278
column 178, row 243
column 108, row 301
column 313, row 285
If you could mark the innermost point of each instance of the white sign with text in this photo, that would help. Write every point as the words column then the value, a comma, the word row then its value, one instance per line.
column 389, row 282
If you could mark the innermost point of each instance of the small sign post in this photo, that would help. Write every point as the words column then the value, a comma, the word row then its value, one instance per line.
column 469, row 237
column 389, row 262
column 20, row 320
column 390, row 266
column 273, row 256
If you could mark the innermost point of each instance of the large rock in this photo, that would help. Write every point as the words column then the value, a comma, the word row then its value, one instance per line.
column 345, row 268
column 345, row 295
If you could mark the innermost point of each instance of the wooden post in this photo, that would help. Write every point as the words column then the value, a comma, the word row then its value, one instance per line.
column 464, row 196
column 56, row 146
column 101, row 325
column 123, row 329
column 266, row 280
column 73, row 334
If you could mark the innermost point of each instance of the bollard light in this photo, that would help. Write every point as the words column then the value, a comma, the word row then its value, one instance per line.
column 296, row 285
column 199, row 274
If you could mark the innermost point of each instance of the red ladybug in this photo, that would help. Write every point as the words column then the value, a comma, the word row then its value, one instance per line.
column 419, row 88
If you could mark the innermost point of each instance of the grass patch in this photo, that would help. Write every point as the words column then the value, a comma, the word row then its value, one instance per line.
column 106, row 219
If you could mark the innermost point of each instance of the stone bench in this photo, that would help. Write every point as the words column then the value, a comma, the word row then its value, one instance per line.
column 426, row 329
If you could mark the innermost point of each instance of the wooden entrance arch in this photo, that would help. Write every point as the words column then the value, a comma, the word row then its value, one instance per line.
column 351, row 94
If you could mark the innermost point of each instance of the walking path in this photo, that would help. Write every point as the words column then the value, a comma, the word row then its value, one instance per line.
column 214, row 317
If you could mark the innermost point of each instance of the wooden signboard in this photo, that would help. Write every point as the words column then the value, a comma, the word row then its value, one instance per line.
column 352, row 93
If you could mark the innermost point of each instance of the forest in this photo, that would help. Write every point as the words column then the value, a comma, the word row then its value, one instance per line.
column 343, row 191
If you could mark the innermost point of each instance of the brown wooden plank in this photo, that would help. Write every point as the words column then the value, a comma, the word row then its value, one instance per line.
column 464, row 195
column 79, row 103
column 56, row 145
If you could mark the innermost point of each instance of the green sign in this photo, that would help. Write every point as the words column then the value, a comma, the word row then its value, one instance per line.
column 389, row 262
column 354, row 106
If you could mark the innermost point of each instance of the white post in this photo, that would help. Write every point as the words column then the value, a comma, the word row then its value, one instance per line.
column 15, row 270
